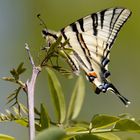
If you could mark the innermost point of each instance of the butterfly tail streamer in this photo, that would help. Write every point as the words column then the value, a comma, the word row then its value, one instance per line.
column 121, row 97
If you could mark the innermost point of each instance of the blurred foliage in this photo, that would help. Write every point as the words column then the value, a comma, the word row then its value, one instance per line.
column 66, row 127
column 6, row 137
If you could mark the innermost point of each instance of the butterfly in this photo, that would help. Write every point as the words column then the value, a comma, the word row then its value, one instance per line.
column 91, row 39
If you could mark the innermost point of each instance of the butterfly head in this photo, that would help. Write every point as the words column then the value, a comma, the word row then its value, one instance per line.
column 49, row 35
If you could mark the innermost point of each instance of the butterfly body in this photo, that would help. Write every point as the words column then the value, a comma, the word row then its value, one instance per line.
column 91, row 39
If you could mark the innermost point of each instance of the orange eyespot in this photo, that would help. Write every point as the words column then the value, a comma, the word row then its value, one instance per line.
column 92, row 74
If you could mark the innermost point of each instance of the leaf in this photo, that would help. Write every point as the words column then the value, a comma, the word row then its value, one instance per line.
column 74, row 131
column 102, row 121
column 14, row 96
column 54, row 45
column 14, row 74
column 127, row 125
column 6, row 137
column 65, row 43
column 44, row 117
column 76, row 100
column 89, row 137
column 10, row 79
column 53, row 133
column 38, row 127
column 63, row 71
column 65, row 53
column 103, row 136
column 20, row 68
column 108, row 136
column 71, row 130
column 23, row 108
column 81, row 124
column 22, row 122
column 36, row 111
column 57, row 96
column 52, row 51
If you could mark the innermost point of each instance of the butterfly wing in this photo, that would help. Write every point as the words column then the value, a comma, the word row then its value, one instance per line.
column 92, row 38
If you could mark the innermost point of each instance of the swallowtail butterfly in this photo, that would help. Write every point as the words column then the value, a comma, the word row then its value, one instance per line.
column 91, row 39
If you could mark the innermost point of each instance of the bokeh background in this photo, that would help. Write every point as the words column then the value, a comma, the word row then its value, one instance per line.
column 18, row 25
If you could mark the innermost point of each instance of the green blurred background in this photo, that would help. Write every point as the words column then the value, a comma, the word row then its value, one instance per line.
column 18, row 25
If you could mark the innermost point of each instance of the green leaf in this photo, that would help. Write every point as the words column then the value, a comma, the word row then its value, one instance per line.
column 76, row 100
column 54, row 46
column 22, row 122
column 89, row 137
column 82, row 124
column 37, row 112
column 107, row 136
column 57, row 96
column 127, row 125
column 20, row 69
column 44, row 117
column 71, row 130
column 53, row 133
column 65, row 43
column 65, row 52
column 102, row 121
column 14, row 74
column 63, row 71
column 6, row 137
column 10, row 79
column 14, row 96
column 23, row 108
column 103, row 136
column 74, row 131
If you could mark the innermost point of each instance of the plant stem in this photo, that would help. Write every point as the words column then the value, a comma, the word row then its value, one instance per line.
column 30, row 94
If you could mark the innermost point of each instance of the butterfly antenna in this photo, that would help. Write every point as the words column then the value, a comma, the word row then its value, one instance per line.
column 42, row 23
column 121, row 97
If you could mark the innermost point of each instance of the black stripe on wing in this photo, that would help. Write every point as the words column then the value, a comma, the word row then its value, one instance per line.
column 81, row 23
column 116, row 25
column 102, row 13
column 74, row 29
column 82, row 45
column 105, row 26
column 74, row 66
column 94, row 23
column 112, row 26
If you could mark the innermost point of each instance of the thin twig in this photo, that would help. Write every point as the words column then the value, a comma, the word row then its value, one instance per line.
column 29, row 54
column 30, row 92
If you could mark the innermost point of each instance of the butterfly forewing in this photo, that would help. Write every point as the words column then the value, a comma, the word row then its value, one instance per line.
column 93, row 36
